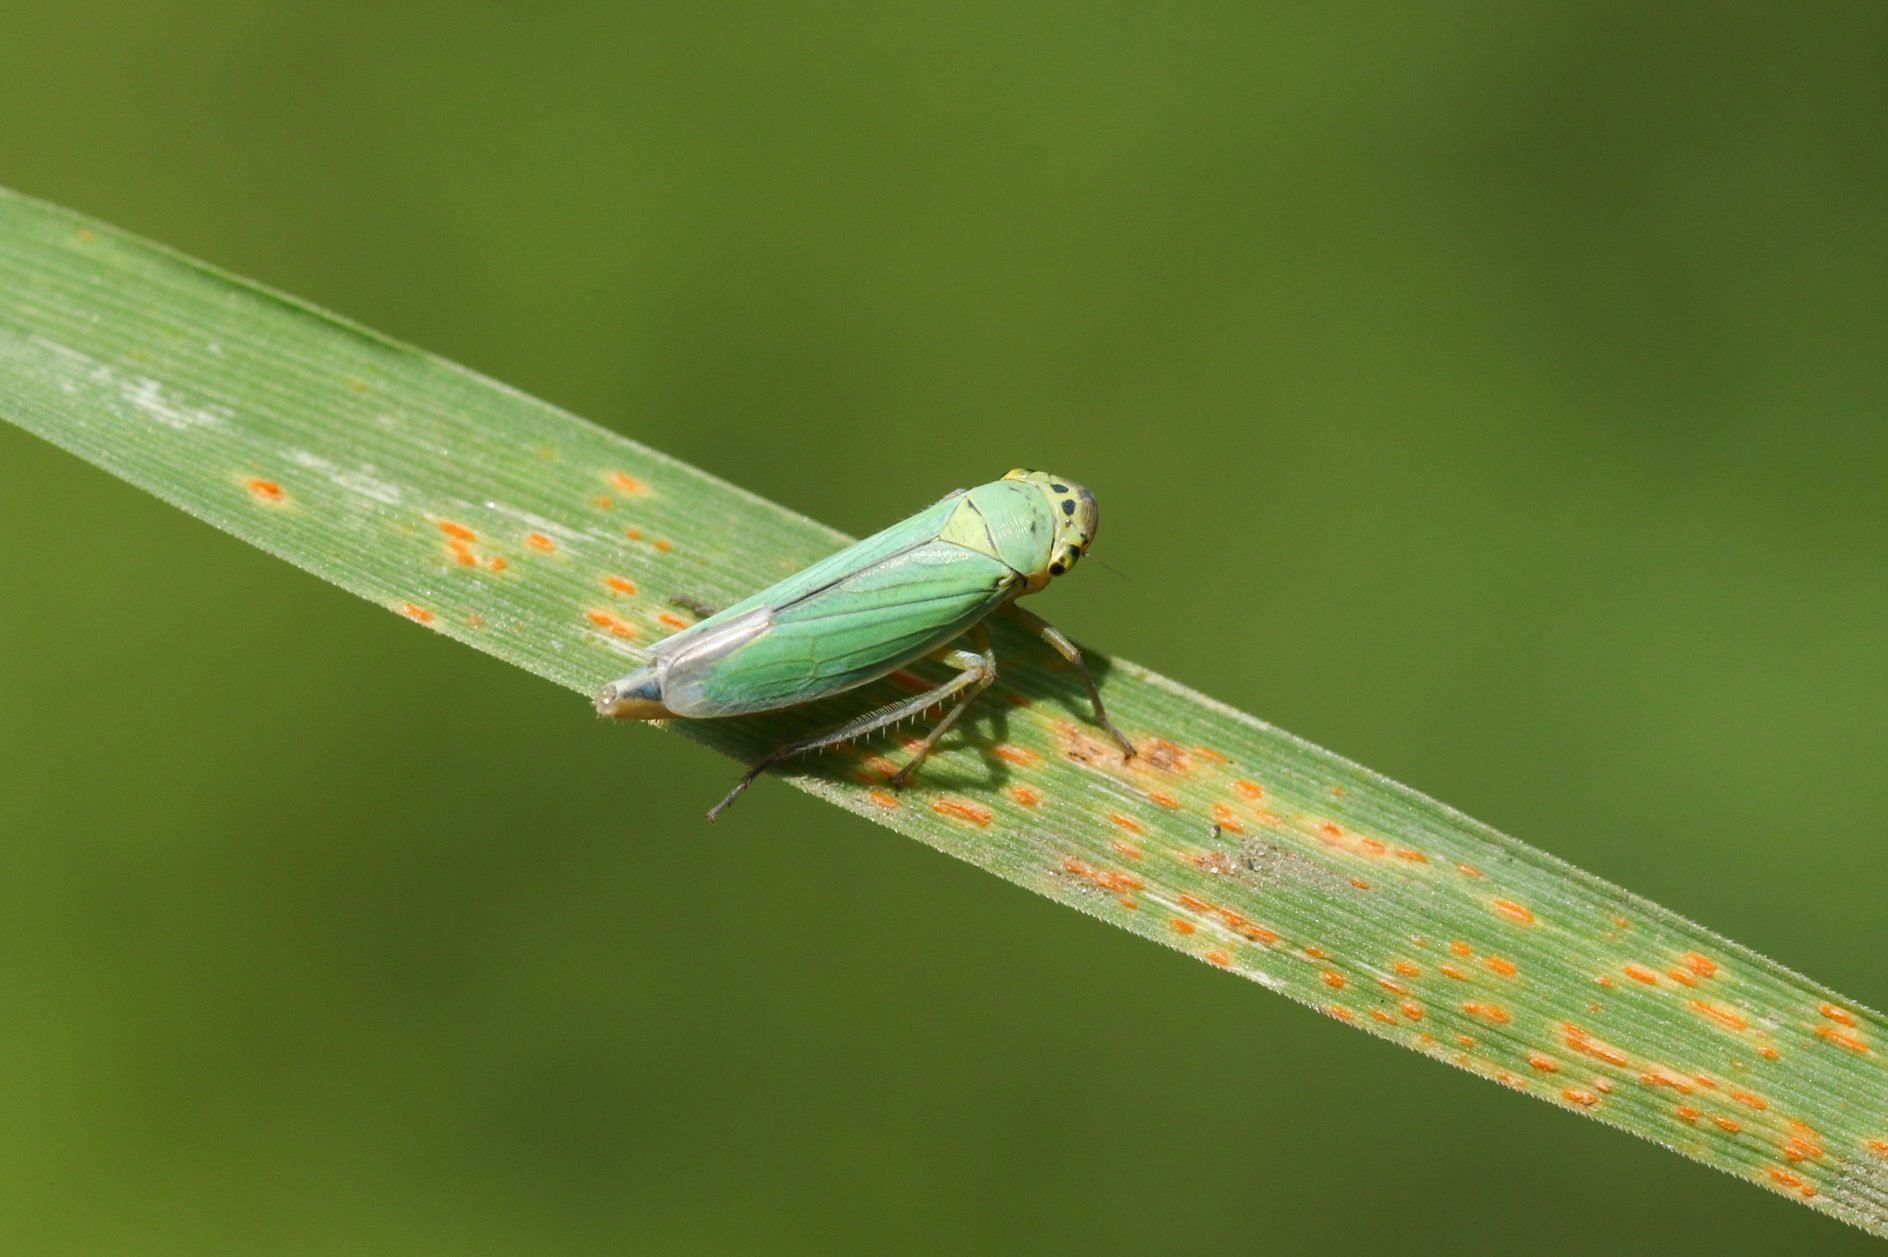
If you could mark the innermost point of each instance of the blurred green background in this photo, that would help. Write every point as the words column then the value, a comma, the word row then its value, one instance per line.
column 1493, row 393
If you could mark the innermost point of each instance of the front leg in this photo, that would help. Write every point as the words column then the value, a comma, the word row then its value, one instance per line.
column 1069, row 651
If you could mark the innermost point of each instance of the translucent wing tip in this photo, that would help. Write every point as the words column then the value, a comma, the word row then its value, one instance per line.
column 637, row 696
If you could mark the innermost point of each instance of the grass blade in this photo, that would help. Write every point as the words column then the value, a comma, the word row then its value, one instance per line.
column 545, row 541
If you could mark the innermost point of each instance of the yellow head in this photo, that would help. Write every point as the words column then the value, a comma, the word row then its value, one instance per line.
column 1073, row 509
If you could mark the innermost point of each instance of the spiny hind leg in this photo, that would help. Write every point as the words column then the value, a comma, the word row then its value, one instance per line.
column 1071, row 652
column 975, row 668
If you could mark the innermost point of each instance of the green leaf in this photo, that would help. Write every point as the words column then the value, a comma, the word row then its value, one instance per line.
column 531, row 535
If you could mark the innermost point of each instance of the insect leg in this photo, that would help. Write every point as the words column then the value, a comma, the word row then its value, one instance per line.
column 1069, row 651
column 973, row 666
column 980, row 667
column 701, row 609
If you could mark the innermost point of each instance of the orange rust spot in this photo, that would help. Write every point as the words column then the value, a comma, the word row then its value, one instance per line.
column 1488, row 1012
column 1639, row 973
column 608, row 620
column 626, row 482
column 622, row 586
column 1020, row 756
column 1768, row 1053
column 662, row 544
column 1207, row 752
column 1341, row 1013
column 1214, row 862
column 1219, row 958
column 1227, row 820
column 1250, row 789
column 1411, row 1009
column 1127, row 903
column 975, row 813
column 1469, row 870
column 634, row 534
column 1375, row 846
column 1580, row 1041
column 1703, row 966
column 887, row 801
column 1604, row 981
column 1126, row 849
column 1749, row 1100
column 1258, row 934
column 1723, row 1016
column 1393, row 986
column 1681, row 976
column 1330, row 832
column 673, row 621
column 1165, row 800
column 1126, row 822
column 1195, row 905
column 1502, row 965
column 538, row 541
column 419, row 615
column 1603, row 1085
column 1460, row 948
column 475, row 620
column 1407, row 969
column 1726, row 1124
column 1784, row 1177
column 1450, row 971
column 603, row 502
column 1360, row 883
column 1580, row 1096
column 1377, row 1014
column 1799, row 1149
column 1413, row 856
column 1512, row 911
column 1842, row 1039
column 1466, row 1040
column 1316, row 953
column 267, row 491
column 1841, row 1016
column 463, row 553
column 1180, row 925
column 1660, row 1076
column 1544, row 1063
column 458, row 532
column 1879, row 1147
column 1686, row 1113
column 1706, row 1081
column 1025, row 796
column 496, row 564
column 1333, row 979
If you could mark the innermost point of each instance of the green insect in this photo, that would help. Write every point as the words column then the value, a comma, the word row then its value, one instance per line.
column 903, row 594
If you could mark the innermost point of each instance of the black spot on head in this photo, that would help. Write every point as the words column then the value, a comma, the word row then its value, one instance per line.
column 1056, row 569
column 1060, row 488
column 1068, row 506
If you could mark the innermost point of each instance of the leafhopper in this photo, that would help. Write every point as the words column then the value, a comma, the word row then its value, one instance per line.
column 920, row 589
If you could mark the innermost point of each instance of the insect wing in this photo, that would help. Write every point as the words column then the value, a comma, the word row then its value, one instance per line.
column 906, row 533
column 850, row 631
